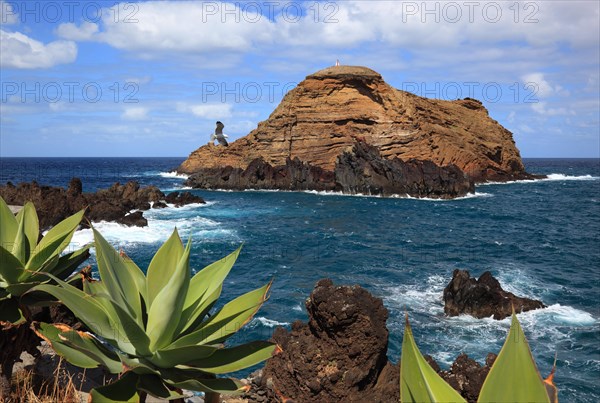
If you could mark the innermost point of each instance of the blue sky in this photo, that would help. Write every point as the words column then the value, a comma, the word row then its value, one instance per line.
column 102, row 78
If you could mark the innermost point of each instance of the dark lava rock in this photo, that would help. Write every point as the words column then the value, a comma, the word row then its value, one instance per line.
column 483, row 298
column 134, row 219
column 465, row 375
column 183, row 198
column 362, row 170
column 54, row 204
column 365, row 171
column 340, row 355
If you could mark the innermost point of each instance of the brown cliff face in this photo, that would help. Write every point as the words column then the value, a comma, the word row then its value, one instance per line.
column 328, row 112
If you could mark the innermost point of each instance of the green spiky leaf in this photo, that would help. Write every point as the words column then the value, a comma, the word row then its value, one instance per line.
column 514, row 376
column 122, row 391
column 8, row 227
column 165, row 311
column 163, row 265
column 236, row 358
column 418, row 381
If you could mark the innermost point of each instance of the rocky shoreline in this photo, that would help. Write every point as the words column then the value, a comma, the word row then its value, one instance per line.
column 123, row 204
column 360, row 171
column 340, row 354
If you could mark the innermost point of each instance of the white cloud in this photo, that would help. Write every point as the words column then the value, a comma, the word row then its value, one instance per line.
column 84, row 32
column 511, row 117
column 543, row 88
column 542, row 109
column 207, row 111
column 135, row 113
column 22, row 52
column 176, row 26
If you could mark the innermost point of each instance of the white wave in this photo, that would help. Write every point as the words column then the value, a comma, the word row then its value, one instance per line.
column 161, row 223
column 467, row 196
column 267, row 322
column 548, row 178
column 173, row 175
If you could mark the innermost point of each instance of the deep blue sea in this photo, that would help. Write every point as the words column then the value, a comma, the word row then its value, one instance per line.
column 541, row 239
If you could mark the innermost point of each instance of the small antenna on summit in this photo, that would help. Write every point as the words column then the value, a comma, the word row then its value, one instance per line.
column 337, row 62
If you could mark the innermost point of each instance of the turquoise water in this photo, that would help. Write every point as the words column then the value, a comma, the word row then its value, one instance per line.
column 540, row 238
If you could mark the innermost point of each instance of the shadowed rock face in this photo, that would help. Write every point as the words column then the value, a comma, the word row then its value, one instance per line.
column 54, row 204
column 333, row 109
column 482, row 298
column 359, row 170
column 340, row 355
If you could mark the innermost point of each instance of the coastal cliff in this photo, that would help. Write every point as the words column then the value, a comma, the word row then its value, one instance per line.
column 331, row 111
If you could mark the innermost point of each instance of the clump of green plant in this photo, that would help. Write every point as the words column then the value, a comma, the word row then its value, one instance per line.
column 155, row 329
column 513, row 377
column 27, row 261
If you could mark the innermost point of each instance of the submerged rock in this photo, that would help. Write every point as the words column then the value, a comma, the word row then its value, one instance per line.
column 483, row 297
column 340, row 355
column 120, row 203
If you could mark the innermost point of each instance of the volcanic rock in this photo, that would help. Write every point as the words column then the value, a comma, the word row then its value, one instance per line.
column 340, row 355
column 465, row 375
column 483, row 298
column 119, row 203
column 361, row 170
column 333, row 109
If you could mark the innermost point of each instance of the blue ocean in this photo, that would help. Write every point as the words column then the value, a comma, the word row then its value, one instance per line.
column 540, row 238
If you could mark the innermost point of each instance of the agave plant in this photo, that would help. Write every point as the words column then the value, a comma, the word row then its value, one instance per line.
column 512, row 378
column 155, row 329
column 25, row 262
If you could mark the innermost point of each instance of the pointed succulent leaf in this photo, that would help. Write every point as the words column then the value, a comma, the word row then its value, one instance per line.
column 123, row 390
column 79, row 348
column 138, row 276
column 20, row 248
column 19, row 289
column 163, row 266
column 8, row 227
column 117, row 277
column 140, row 366
column 210, row 278
column 418, row 381
column 233, row 359
column 234, row 315
column 69, row 262
column 514, row 376
column 132, row 338
column 10, row 267
column 55, row 241
column 165, row 311
column 221, row 385
column 205, row 285
column 10, row 312
column 85, row 307
column 154, row 386
column 195, row 314
column 168, row 358
column 30, row 223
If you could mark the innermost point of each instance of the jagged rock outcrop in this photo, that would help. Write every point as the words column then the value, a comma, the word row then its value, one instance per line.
column 333, row 109
column 360, row 170
column 340, row 355
column 483, row 297
column 54, row 204
column 465, row 374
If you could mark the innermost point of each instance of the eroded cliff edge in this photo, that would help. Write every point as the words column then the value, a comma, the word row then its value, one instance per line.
column 333, row 110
